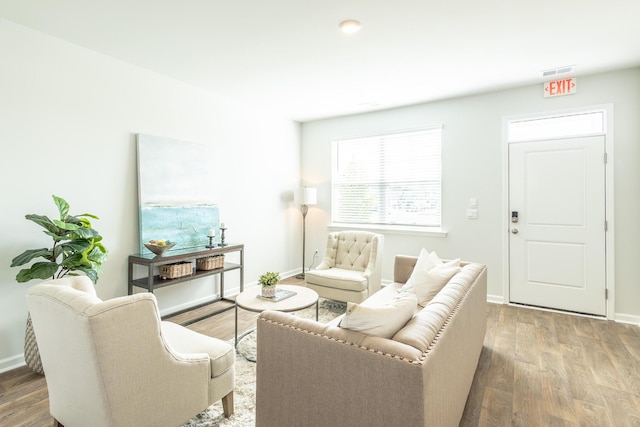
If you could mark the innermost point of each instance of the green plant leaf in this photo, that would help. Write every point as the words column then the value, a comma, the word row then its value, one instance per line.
column 73, row 261
column 39, row 270
column 90, row 272
column 29, row 255
column 63, row 206
column 61, row 236
column 89, row 215
column 86, row 233
column 65, row 225
column 43, row 221
column 98, row 254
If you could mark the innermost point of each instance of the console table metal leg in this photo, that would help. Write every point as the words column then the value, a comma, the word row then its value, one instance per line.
column 236, row 327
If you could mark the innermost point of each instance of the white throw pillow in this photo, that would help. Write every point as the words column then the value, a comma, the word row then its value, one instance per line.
column 429, row 276
column 382, row 320
column 426, row 261
column 435, row 280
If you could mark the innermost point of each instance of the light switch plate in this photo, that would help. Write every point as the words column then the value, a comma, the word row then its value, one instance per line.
column 472, row 213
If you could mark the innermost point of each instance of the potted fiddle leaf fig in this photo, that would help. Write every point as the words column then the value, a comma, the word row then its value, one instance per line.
column 76, row 249
column 268, row 281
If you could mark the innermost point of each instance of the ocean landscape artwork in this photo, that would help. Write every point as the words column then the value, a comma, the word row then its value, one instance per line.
column 176, row 192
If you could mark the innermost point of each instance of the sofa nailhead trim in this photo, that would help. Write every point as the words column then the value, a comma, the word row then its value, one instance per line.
column 420, row 361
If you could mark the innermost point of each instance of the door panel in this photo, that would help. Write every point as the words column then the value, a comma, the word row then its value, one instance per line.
column 557, row 247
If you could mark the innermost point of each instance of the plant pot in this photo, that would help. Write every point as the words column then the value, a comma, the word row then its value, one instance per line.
column 269, row 291
column 31, row 352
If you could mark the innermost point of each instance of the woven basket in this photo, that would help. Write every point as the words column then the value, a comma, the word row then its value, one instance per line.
column 173, row 271
column 210, row 263
column 31, row 353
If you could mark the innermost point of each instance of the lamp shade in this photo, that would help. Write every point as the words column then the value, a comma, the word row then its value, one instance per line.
column 306, row 196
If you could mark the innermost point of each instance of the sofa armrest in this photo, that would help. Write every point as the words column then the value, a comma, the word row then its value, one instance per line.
column 403, row 267
column 133, row 322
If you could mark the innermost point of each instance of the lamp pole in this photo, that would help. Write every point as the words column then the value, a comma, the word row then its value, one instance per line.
column 305, row 209
column 305, row 197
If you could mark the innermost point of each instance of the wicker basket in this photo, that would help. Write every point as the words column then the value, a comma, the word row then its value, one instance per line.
column 173, row 271
column 210, row 263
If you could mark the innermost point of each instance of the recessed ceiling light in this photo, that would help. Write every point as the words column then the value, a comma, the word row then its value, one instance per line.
column 350, row 26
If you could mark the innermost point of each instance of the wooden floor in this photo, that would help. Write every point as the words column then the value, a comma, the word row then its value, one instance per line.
column 537, row 368
column 540, row 368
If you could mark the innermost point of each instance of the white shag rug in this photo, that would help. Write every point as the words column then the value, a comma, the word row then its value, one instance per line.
column 244, row 393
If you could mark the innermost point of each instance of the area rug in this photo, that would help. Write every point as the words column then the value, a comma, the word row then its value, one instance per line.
column 244, row 394
column 327, row 311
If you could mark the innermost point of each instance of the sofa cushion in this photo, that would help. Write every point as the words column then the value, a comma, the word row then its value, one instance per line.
column 381, row 320
column 221, row 354
column 341, row 278
column 430, row 275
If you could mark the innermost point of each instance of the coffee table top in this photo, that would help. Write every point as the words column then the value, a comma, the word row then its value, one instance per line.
column 304, row 298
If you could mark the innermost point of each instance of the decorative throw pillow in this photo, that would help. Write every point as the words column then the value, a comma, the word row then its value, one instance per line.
column 429, row 276
column 435, row 280
column 382, row 320
column 426, row 261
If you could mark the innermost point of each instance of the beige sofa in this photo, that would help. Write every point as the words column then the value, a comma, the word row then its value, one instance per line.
column 311, row 374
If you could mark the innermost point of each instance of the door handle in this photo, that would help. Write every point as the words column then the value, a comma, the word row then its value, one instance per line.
column 514, row 231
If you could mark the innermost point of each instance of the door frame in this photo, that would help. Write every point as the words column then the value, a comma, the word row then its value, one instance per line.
column 609, row 203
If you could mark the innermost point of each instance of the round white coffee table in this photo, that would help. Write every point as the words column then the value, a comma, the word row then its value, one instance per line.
column 250, row 300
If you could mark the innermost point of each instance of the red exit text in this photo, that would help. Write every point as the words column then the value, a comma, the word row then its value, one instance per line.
column 560, row 87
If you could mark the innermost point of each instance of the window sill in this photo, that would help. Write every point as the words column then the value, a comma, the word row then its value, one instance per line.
column 392, row 229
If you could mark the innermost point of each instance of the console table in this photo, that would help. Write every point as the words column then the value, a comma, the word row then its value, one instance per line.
column 153, row 281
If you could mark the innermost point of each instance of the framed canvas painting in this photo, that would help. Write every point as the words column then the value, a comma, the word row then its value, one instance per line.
column 176, row 191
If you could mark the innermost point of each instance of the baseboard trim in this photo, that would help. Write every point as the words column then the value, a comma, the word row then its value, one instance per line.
column 631, row 319
column 495, row 299
column 12, row 362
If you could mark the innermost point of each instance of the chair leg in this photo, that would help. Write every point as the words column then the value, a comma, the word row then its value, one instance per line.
column 227, row 405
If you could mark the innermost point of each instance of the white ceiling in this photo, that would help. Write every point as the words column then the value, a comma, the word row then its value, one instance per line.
column 289, row 57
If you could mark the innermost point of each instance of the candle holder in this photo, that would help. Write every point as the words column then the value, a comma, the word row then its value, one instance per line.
column 222, row 229
column 211, row 244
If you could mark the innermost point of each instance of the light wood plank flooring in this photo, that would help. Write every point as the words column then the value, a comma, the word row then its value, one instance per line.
column 536, row 369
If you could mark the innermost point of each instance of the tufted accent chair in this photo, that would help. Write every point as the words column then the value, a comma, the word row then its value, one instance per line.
column 115, row 363
column 351, row 269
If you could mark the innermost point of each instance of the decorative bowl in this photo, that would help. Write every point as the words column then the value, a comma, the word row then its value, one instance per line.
column 159, row 250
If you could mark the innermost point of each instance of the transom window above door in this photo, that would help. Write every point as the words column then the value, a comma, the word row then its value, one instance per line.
column 557, row 126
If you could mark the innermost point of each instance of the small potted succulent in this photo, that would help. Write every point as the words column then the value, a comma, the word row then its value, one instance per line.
column 268, row 281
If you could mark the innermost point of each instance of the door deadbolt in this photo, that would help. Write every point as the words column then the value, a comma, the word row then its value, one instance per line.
column 514, row 231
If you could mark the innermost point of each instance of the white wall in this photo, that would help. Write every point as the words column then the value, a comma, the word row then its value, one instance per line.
column 473, row 167
column 68, row 119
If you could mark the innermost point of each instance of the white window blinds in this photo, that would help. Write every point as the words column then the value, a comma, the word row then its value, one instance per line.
column 392, row 179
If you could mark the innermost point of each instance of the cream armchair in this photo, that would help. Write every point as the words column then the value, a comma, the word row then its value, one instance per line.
column 351, row 269
column 115, row 363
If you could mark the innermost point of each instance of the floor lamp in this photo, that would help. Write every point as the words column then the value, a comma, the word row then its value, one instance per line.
column 304, row 197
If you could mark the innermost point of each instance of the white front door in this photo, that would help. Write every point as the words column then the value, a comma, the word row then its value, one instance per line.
column 557, row 246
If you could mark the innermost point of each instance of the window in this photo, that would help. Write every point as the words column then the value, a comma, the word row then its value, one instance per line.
column 389, row 179
column 562, row 126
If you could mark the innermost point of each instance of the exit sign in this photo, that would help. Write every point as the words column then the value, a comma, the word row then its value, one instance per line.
column 560, row 87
